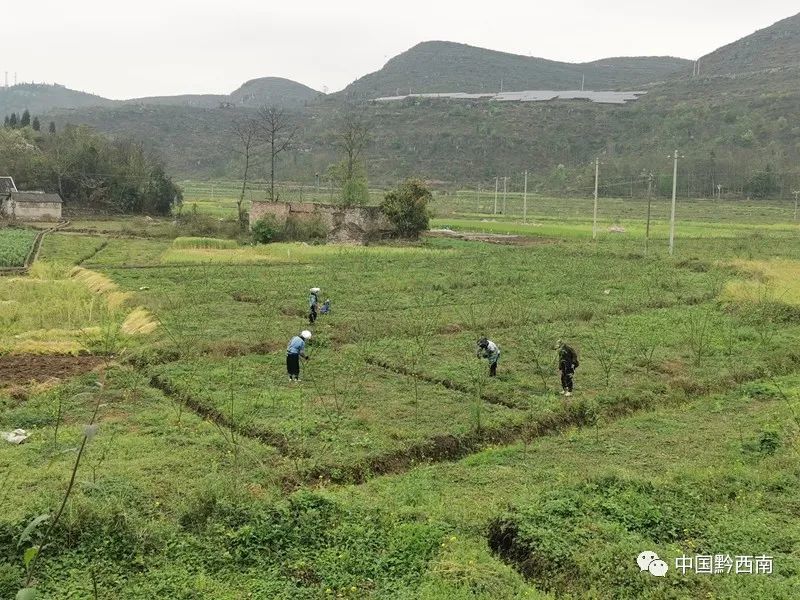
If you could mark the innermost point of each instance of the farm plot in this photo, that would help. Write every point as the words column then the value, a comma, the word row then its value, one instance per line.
column 185, row 489
column 15, row 244
column 649, row 333
column 343, row 421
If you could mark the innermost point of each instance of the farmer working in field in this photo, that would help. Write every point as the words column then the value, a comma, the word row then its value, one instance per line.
column 313, row 304
column 293, row 353
column 326, row 307
column 567, row 363
column 488, row 349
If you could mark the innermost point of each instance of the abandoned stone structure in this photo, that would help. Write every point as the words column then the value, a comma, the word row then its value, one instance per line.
column 27, row 206
column 32, row 206
column 354, row 224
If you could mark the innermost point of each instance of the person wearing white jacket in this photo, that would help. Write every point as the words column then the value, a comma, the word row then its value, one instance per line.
column 490, row 351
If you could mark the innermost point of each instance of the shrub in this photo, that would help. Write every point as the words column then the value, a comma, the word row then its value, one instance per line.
column 194, row 224
column 303, row 230
column 406, row 207
column 264, row 230
column 267, row 230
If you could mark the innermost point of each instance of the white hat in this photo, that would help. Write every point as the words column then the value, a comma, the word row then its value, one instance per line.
column 305, row 334
column 314, row 290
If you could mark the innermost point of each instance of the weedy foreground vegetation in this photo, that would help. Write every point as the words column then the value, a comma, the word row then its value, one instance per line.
column 398, row 469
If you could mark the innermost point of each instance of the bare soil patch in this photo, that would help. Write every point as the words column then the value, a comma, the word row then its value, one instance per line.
column 490, row 238
column 30, row 368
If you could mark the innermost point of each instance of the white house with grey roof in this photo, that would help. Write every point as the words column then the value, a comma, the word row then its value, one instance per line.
column 28, row 206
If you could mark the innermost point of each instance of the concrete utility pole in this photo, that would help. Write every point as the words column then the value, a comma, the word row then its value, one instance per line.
column 505, row 192
column 525, row 200
column 496, row 186
column 796, row 194
column 596, row 182
column 674, row 195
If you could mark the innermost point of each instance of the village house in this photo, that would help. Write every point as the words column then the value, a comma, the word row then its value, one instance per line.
column 27, row 206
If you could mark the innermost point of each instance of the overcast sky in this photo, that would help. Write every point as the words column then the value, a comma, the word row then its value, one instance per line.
column 150, row 47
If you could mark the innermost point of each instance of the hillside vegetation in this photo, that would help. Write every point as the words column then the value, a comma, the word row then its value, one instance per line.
column 729, row 129
column 39, row 98
column 451, row 67
column 769, row 48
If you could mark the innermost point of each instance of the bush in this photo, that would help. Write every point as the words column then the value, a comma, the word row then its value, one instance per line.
column 406, row 207
column 264, row 230
column 194, row 224
column 268, row 230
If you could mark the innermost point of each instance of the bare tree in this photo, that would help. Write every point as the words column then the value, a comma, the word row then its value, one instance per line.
column 277, row 130
column 351, row 140
column 246, row 131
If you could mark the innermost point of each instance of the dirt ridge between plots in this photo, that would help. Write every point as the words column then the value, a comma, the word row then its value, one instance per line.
column 447, row 383
column 445, row 448
column 204, row 411
column 103, row 245
column 573, row 412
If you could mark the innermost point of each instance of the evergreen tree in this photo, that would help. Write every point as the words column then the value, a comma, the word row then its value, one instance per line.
column 35, row 124
column 25, row 121
column 12, row 121
column 5, row 121
column 52, row 128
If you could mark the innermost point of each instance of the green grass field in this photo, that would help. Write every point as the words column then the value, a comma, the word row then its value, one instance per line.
column 398, row 468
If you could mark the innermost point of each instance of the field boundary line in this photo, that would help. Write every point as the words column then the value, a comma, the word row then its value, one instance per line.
column 205, row 411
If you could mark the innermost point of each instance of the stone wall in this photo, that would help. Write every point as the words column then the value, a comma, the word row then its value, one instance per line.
column 32, row 211
column 357, row 224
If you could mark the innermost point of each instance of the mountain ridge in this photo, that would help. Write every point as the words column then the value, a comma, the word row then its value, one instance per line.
column 442, row 66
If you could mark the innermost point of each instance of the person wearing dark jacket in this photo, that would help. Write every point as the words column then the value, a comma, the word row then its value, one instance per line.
column 567, row 363
column 313, row 304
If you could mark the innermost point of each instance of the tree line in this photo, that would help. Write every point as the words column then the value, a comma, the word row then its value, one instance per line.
column 24, row 120
column 88, row 170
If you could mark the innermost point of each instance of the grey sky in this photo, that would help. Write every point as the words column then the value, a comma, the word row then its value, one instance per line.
column 162, row 47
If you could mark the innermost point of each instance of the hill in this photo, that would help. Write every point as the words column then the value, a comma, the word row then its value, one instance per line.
column 254, row 93
column 773, row 47
column 39, row 98
column 43, row 98
column 727, row 127
column 273, row 90
column 452, row 67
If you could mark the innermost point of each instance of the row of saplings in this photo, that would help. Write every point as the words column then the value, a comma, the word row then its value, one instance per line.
column 486, row 348
column 405, row 207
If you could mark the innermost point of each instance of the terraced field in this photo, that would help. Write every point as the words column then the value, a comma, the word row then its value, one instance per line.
column 398, row 468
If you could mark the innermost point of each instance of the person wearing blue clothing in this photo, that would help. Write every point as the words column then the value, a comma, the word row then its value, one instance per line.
column 489, row 350
column 313, row 304
column 294, row 351
column 326, row 307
